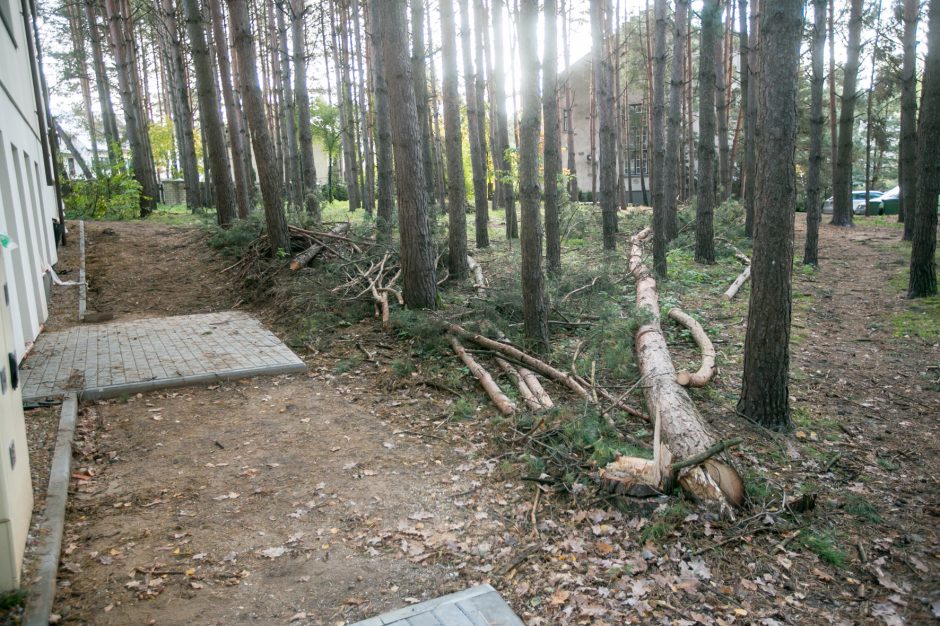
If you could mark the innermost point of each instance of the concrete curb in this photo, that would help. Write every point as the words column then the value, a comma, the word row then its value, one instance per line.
column 82, row 287
column 42, row 592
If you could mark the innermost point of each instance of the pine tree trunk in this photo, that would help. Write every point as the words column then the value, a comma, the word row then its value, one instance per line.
column 475, row 133
column 135, row 122
column 368, row 178
column 534, row 312
column 439, row 186
column 869, row 101
column 743, row 77
column 842, row 175
column 233, row 112
column 690, row 120
column 750, row 137
column 498, row 85
column 417, row 244
column 833, row 113
column 209, row 113
column 419, row 55
column 705, row 205
column 108, row 120
column 268, row 176
column 923, row 280
column 817, row 121
column 569, row 134
column 308, row 173
column 480, row 90
column 348, row 111
column 552, row 146
column 607, row 140
column 721, row 112
column 288, row 115
column 383, row 132
column 765, row 382
column 77, row 32
column 660, row 234
column 671, row 167
column 456, row 192
column 182, row 114
column 907, row 162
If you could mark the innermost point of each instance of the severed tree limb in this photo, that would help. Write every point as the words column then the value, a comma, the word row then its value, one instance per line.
column 524, row 390
column 684, row 431
column 503, row 404
column 701, row 457
column 479, row 281
column 539, row 366
column 302, row 259
column 707, row 370
column 536, row 387
column 736, row 285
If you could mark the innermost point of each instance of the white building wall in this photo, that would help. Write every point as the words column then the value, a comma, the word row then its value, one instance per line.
column 27, row 202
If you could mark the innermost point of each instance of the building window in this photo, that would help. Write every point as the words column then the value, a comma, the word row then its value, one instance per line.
column 638, row 143
column 566, row 120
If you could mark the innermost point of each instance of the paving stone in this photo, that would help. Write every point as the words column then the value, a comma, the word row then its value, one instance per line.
column 140, row 355
column 477, row 606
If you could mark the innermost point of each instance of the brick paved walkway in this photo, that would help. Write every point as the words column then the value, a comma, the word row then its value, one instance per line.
column 108, row 360
column 478, row 606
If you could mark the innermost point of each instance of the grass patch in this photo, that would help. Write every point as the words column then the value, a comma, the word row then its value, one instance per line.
column 861, row 508
column 921, row 319
column 824, row 545
column 10, row 600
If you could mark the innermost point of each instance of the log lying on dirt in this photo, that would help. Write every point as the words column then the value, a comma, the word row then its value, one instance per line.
column 479, row 281
column 505, row 405
column 738, row 282
column 684, row 431
column 707, row 369
column 304, row 258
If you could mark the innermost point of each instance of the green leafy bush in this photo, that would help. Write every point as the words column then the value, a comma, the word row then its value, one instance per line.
column 113, row 194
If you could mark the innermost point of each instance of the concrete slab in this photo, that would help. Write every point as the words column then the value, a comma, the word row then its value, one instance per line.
column 477, row 606
column 109, row 360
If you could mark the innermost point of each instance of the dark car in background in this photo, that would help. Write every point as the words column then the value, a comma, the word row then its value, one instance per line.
column 858, row 202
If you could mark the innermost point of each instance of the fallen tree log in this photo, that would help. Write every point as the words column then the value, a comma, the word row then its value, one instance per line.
column 536, row 387
column 527, row 395
column 503, row 404
column 707, row 369
column 479, row 281
column 732, row 291
column 304, row 258
column 685, row 433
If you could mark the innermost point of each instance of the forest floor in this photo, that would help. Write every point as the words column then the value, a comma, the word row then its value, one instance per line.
column 383, row 476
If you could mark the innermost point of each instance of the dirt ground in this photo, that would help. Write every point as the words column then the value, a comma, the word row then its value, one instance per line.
column 330, row 497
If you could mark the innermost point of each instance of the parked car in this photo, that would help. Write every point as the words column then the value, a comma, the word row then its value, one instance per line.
column 858, row 202
column 890, row 202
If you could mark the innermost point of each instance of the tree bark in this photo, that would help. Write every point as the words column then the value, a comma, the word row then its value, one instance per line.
column 77, row 32
column 475, row 133
column 437, row 153
column 673, row 140
column 288, row 116
column 182, row 114
column 923, row 281
column 765, row 382
column 907, row 162
column 705, row 206
column 607, row 140
column 721, row 112
column 209, row 114
column 134, row 116
column 456, row 191
column 657, row 138
column 685, row 432
column 233, row 113
column 816, row 121
column 750, row 138
column 108, row 119
column 552, row 145
column 419, row 56
column 308, row 169
column 417, row 245
column 383, row 132
column 572, row 161
column 534, row 311
column 365, row 106
column 275, row 220
column 498, row 85
column 842, row 175
column 869, row 101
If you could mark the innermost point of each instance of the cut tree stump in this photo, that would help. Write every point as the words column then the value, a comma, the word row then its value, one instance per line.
column 685, row 434
column 707, row 370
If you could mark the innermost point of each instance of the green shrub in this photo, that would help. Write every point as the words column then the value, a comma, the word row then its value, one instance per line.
column 113, row 194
